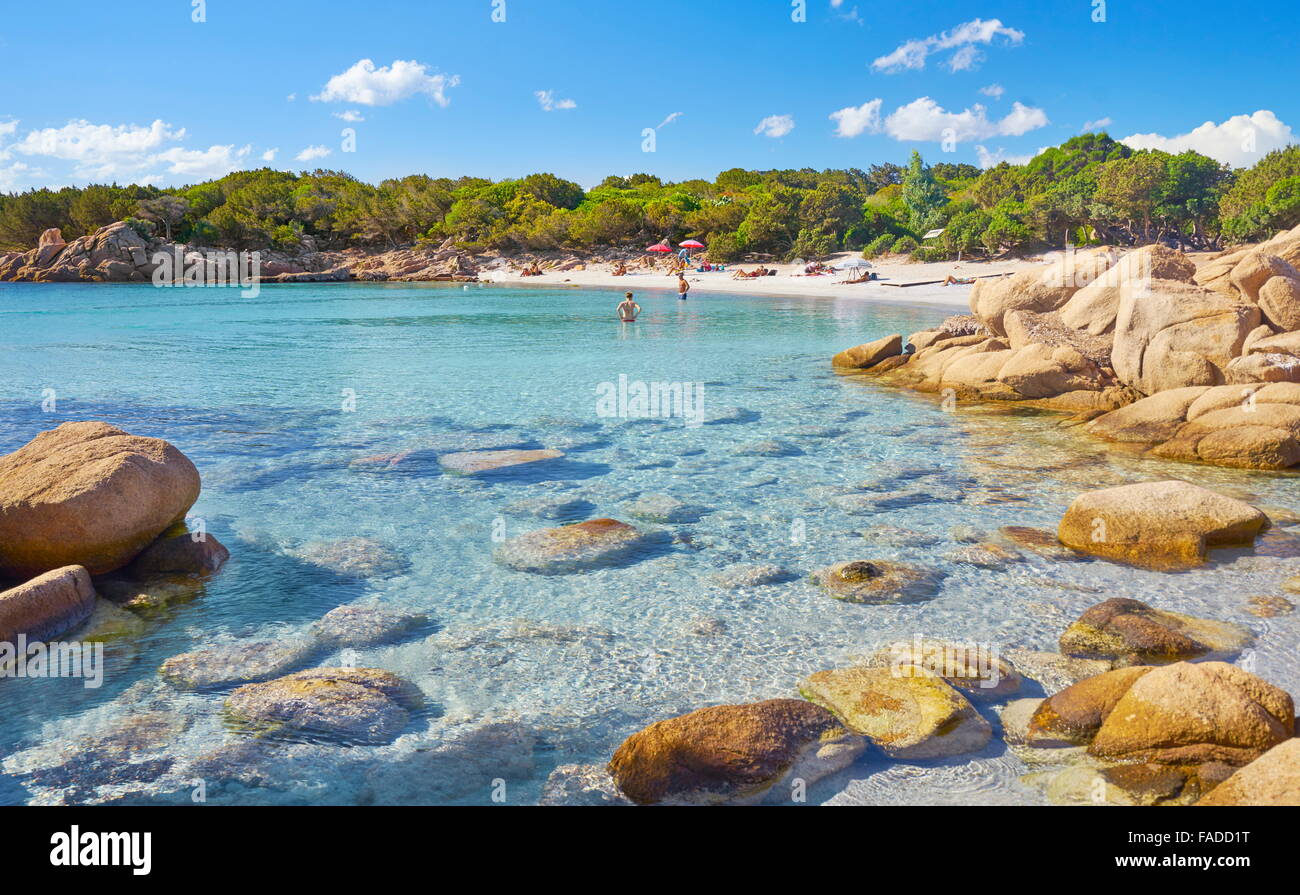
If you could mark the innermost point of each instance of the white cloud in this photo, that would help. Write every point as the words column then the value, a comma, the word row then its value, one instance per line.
column 670, row 119
column 854, row 120
column 546, row 99
column 100, row 150
column 965, row 39
column 993, row 90
column 366, row 85
column 989, row 159
column 270, row 154
column 312, row 152
column 775, row 126
column 924, row 119
column 291, row 97
column 1095, row 125
column 1240, row 141
column 203, row 164
column 349, row 115
column 123, row 152
column 15, row 175
column 8, row 127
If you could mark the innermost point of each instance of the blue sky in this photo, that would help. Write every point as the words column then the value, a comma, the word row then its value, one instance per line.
column 138, row 91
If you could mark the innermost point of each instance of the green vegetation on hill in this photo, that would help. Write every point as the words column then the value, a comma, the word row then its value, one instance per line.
column 1089, row 189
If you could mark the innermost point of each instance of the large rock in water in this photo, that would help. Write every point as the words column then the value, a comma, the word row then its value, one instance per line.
column 572, row 548
column 46, row 606
column 1195, row 712
column 1226, row 425
column 733, row 754
column 366, row 706
column 1163, row 525
column 1132, row 631
column 1271, row 779
column 870, row 354
column 1180, row 714
column 89, row 494
column 909, row 712
column 1171, row 335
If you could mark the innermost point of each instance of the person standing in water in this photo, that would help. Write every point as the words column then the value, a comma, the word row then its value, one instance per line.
column 628, row 309
column 683, row 286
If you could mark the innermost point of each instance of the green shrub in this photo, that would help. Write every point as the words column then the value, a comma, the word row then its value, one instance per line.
column 906, row 245
column 879, row 246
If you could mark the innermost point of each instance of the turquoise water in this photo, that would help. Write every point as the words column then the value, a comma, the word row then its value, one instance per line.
column 272, row 397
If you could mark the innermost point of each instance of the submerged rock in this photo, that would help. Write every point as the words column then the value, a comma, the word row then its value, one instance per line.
column 878, row 581
column 1269, row 606
column 975, row 670
column 89, row 494
column 733, row 754
column 984, row 556
column 150, row 595
column 180, row 553
column 1053, row 670
column 664, row 509
column 354, row 557
column 486, row 462
column 345, row 705
column 582, row 784
column 47, row 605
column 1044, row 543
column 740, row 576
column 1165, row 525
column 363, row 626
column 235, row 663
column 572, row 548
column 908, row 712
column 1132, row 631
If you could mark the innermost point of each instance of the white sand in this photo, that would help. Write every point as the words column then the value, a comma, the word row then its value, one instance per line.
column 789, row 281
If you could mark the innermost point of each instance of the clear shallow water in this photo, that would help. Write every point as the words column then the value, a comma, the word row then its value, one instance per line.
column 252, row 389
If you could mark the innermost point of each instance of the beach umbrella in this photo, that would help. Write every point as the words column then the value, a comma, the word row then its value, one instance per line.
column 660, row 247
column 691, row 244
column 853, row 264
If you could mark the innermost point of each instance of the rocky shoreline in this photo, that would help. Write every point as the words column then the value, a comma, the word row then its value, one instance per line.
column 118, row 253
column 1150, row 351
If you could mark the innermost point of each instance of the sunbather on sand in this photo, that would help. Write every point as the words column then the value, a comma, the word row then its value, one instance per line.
column 950, row 280
column 620, row 270
column 532, row 270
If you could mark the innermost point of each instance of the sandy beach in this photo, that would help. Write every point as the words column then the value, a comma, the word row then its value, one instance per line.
column 789, row 280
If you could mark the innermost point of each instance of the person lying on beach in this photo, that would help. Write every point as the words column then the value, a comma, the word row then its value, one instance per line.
column 866, row 277
column 761, row 271
column 628, row 309
column 950, row 280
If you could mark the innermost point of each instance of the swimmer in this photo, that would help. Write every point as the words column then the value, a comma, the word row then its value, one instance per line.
column 628, row 309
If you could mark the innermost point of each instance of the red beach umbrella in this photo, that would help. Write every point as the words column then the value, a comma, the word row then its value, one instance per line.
column 691, row 244
column 659, row 247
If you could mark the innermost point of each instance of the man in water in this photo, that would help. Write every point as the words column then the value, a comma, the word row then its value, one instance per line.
column 683, row 287
column 628, row 309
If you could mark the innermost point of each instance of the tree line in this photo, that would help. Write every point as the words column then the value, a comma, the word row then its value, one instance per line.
column 1089, row 190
